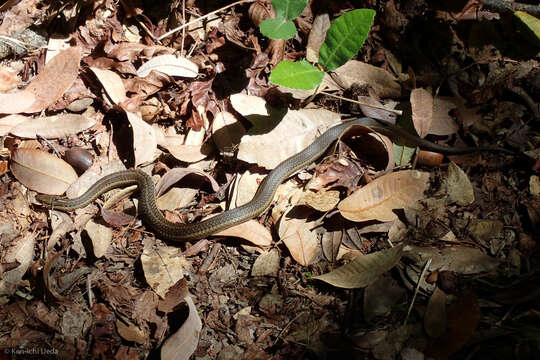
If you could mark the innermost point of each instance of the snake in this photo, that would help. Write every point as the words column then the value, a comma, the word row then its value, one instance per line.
column 263, row 198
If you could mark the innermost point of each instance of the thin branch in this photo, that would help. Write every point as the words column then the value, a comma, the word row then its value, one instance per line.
column 202, row 18
column 397, row 112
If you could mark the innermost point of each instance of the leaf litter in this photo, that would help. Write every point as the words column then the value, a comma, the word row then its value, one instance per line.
column 272, row 287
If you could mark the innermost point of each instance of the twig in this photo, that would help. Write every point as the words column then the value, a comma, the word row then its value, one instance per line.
column 426, row 266
column 398, row 112
column 202, row 18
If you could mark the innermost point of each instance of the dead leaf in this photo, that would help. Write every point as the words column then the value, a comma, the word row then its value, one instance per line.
column 460, row 189
column 443, row 124
column 101, row 237
column 9, row 122
column 227, row 131
column 56, row 126
column 354, row 72
column 144, row 140
column 47, row 87
column 130, row 331
column 298, row 235
column 462, row 317
column 435, row 316
column 163, row 266
column 316, row 37
column 177, row 174
column 22, row 252
column 252, row 231
column 170, row 65
column 183, row 343
column 363, row 270
column 8, row 79
column 41, row 171
column 112, row 83
column 266, row 264
column 422, row 111
column 376, row 200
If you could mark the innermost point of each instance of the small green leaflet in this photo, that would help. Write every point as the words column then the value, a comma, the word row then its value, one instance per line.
column 288, row 9
column 345, row 37
column 296, row 75
column 278, row 28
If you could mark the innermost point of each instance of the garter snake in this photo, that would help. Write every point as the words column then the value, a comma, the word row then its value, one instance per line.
column 263, row 197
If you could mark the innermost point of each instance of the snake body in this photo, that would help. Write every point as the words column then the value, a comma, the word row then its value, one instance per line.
column 263, row 197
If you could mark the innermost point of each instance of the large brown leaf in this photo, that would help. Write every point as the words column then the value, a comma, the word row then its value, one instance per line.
column 376, row 200
column 41, row 171
column 47, row 87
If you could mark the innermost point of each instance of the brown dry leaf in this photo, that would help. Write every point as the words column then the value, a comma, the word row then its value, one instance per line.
column 130, row 51
column 47, row 87
column 9, row 122
column 144, row 139
column 316, row 37
column 298, row 235
column 130, row 332
column 442, row 123
column 186, row 153
column 56, row 126
column 163, row 267
column 376, row 200
column 170, row 65
column 251, row 231
column 462, row 317
column 8, row 79
column 41, row 171
column 266, row 264
column 227, row 131
column 435, row 316
column 247, row 105
column 101, row 237
column 22, row 253
column 422, row 111
column 459, row 187
column 183, row 343
column 246, row 187
column 364, row 269
column 176, row 198
column 176, row 174
column 376, row 112
column 324, row 200
column 354, row 72
column 295, row 131
column 112, row 83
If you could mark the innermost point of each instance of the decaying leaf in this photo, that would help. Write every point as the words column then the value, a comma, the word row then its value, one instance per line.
column 56, row 126
column 101, row 237
column 354, row 72
column 170, row 65
column 363, row 270
column 252, row 231
column 21, row 253
column 183, row 343
column 47, row 87
column 144, row 140
column 298, row 235
column 460, row 189
column 112, row 83
column 162, row 266
column 41, row 171
column 422, row 111
column 376, row 200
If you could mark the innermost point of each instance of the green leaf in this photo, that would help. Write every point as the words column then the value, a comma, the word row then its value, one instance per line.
column 296, row 75
column 532, row 24
column 279, row 28
column 289, row 9
column 345, row 37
